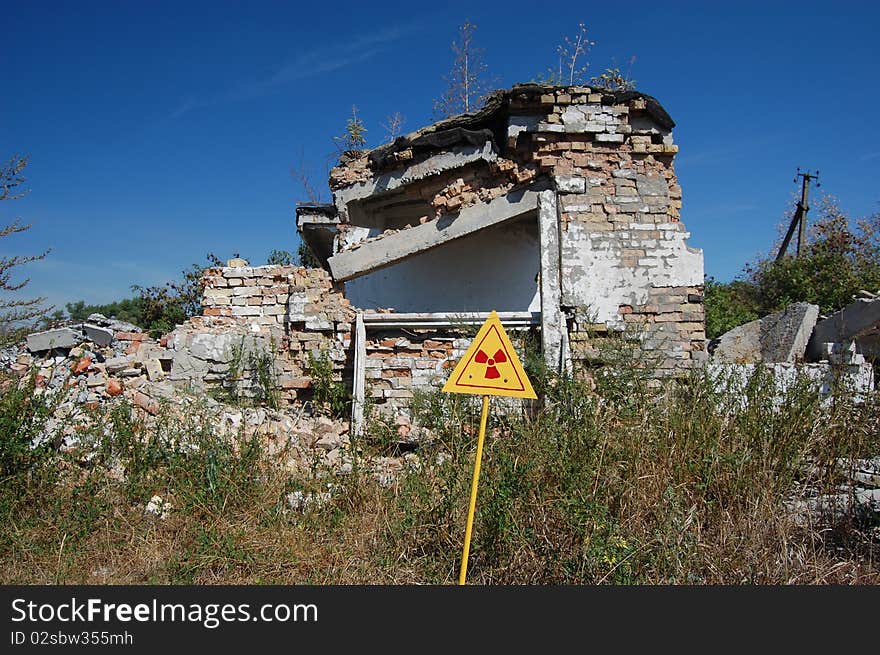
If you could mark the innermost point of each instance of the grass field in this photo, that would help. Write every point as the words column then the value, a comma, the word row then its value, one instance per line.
column 613, row 482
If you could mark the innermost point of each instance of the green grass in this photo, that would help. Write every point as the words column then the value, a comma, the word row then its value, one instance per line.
column 621, row 484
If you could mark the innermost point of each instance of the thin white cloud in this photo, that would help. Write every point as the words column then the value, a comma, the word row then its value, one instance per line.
column 185, row 106
column 339, row 54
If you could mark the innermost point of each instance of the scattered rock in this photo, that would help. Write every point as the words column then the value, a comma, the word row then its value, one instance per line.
column 329, row 441
column 96, row 380
column 82, row 365
column 114, row 387
column 300, row 501
column 154, row 369
column 116, row 364
column 146, row 403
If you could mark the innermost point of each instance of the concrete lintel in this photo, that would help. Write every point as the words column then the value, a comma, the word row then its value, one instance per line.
column 445, row 161
column 552, row 324
column 397, row 246
column 447, row 319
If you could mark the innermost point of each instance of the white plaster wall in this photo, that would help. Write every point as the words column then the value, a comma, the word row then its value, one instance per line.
column 495, row 269
column 593, row 275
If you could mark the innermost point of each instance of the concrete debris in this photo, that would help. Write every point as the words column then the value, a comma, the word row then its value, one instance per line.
column 64, row 337
column 858, row 498
column 112, row 323
column 75, row 334
column 779, row 337
column 865, row 472
column 831, row 508
column 97, row 335
column 825, row 379
column 858, row 322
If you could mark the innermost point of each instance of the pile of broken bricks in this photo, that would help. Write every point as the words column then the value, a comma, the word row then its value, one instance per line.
column 94, row 360
column 85, row 366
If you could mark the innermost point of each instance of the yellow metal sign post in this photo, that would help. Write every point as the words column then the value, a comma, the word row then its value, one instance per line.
column 490, row 367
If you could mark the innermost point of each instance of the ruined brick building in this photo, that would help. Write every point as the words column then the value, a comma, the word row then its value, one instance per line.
column 556, row 206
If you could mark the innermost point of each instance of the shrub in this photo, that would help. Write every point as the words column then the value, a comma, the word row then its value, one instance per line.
column 330, row 395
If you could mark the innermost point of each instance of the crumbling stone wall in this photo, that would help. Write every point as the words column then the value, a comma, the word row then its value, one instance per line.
column 287, row 311
column 623, row 259
column 625, row 264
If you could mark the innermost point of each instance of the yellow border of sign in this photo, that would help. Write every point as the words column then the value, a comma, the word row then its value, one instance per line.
column 456, row 383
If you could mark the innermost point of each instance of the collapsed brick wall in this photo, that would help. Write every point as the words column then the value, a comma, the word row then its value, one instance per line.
column 624, row 261
column 400, row 362
column 289, row 312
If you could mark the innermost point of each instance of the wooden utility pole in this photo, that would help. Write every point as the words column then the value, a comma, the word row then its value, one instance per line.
column 800, row 215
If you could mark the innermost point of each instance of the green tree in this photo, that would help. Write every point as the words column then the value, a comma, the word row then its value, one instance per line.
column 840, row 258
column 305, row 256
column 127, row 309
column 354, row 138
column 280, row 258
column 729, row 304
column 17, row 315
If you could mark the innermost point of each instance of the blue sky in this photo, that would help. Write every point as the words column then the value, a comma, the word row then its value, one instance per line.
column 161, row 131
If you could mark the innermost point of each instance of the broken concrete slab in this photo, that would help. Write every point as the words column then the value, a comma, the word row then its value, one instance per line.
column 444, row 161
column 112, row 323
column 778, row 337
column 58, row 338
column 97, row 335
column 397, row 246
column 154, row 369
column 116, row 364
column 859, row 321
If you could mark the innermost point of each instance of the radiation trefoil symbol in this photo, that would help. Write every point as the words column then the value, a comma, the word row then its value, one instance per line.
column 491, row 371
column 481, row 372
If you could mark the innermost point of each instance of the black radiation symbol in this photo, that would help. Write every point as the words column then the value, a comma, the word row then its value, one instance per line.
column 498, row 358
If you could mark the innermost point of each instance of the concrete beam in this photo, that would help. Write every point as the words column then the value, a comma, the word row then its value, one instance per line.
column 778, row 337
column 397, row 246
column 447, row 319
column 552, row 323
column 445, row 161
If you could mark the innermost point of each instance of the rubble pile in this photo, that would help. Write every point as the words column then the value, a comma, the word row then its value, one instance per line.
column 92, row 366
column 291, row 313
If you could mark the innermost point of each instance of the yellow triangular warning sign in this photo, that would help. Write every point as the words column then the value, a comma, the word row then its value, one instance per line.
column 490, row 366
